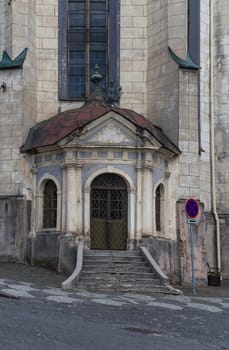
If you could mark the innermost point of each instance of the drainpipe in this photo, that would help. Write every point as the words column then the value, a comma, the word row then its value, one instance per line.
column 212, row 137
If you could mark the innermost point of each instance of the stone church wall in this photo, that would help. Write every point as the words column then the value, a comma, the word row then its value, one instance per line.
column 14, row 228
column 224, row 224
column 11, row 126
column 2, row 25
column 204, row 245
column 221, row 78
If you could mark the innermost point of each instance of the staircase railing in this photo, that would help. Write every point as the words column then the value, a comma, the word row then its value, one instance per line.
column 70, row 281
column 156, row 268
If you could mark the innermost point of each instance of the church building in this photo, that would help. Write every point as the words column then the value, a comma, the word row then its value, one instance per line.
column 112, row 115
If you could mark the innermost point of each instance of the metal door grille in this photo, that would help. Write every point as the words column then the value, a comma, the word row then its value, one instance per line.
column 108, row 212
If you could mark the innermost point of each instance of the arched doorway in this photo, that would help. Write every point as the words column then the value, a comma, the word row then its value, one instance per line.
column 108, row 228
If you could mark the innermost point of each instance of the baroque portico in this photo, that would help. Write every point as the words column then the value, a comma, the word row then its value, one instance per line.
column 109, row 167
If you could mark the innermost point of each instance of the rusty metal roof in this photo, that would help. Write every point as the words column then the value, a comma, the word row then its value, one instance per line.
column 51, row 131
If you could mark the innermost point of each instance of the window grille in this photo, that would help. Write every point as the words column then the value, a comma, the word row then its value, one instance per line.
column 50, row 205
column 89, row 34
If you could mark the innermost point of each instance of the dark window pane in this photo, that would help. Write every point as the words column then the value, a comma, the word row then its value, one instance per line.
column 77, row 19
column 50, row 205
column 87, row 43
column 77, row 70
column 158, row 209
column 78, row 36
column 97, row 35
column 76, row 86
column 77, row 57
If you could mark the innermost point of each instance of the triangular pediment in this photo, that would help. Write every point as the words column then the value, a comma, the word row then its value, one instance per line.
column 109, row 130
column 111, row 133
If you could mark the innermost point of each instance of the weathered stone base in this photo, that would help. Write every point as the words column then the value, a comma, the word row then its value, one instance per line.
column 204, row 246
column 164, row 251
column 43, row 250
column 67, row 254
column 14, row 227
column 224, row 231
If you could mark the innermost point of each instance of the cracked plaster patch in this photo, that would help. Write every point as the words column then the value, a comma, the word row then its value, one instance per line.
column 204, row 307
column 108, row 302
column 139, row 297
column 62, row 299
column 91, row 295
column 225, row 305
column 57, row 292
column 21, row 287
column 166, row 306
column 3, row 281
column 207, row 299
column 17, row 293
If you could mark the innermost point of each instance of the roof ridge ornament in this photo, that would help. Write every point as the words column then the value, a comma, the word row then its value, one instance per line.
column 109, row 93
column 96, row 79
column 113, row 94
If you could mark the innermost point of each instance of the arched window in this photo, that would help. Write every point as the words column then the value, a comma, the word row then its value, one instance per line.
column 89, row 34
column 50, row 205
column 159, row 208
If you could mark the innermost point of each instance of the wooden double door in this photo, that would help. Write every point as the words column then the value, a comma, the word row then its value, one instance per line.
column 108, row 228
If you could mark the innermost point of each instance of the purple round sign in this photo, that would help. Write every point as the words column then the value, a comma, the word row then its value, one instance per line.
column 192, row 208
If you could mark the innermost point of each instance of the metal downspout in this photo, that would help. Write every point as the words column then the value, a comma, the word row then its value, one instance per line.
column 212, row 137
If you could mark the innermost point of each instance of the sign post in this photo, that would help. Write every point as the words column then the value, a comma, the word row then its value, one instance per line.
column 192, row 212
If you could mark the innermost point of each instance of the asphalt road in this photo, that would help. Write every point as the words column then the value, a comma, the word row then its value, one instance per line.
column 112, row 322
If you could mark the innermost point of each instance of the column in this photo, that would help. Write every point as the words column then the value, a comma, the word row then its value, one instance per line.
column 139, row 202
column 70, row 198
column 35, row 204
column 147, row 200
column 79, row 202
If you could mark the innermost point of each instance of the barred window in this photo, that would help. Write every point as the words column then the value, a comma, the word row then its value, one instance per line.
column 159, row 208
column 50, row 205
column 89, row 35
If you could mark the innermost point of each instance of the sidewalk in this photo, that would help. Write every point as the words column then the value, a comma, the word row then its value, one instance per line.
column 208, row 291
column 47, row 278
column 31, row 274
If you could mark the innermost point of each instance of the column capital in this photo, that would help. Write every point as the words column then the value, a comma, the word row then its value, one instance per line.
column 147, row 166
column 167, row 175
column 74, row 164
column 138, row 166
column 34, row 170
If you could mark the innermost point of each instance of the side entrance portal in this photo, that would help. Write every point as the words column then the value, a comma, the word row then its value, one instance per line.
column 108, row 212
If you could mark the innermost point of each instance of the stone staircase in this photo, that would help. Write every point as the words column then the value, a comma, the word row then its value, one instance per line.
column 123, row 271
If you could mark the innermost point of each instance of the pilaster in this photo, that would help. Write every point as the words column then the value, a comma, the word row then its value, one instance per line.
column 71, row 195
column 147, row 199
column 139, row 202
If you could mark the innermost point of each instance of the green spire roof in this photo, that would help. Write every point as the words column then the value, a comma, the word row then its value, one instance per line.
column 7, row 63
column 187, row 63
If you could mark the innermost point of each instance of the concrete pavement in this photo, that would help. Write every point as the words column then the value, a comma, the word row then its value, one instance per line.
column 47, row 278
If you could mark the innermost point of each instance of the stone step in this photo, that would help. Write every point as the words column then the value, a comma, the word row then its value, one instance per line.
column 118, row 271
column 118, row 275
column 120, row 268
column 108, row 253
column 117, row 259
column 125, row 287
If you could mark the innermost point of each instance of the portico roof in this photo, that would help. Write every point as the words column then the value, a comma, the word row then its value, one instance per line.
column 49, row 132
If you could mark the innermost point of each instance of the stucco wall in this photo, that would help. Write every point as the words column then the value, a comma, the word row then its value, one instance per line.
column 14, row 228
column 11, row 130
column 204, row 245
